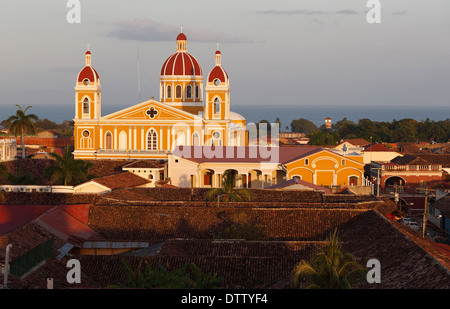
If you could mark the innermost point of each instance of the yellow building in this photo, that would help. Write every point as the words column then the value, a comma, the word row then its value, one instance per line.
column 261, row 167
column 187, row 113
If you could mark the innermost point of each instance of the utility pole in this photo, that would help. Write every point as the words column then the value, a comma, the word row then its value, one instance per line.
column 6, row 270
column 424, row 223
column 378, row 178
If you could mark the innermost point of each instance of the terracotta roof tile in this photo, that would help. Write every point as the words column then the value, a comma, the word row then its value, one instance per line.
column 145, row 164
column 122, row 180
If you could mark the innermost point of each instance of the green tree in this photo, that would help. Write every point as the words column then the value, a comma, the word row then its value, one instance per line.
column 19, row 178
column 67, row 170
column 21, row 123
column 329, row 268
column 303, row 125
column 323, row 138
column 228, row 192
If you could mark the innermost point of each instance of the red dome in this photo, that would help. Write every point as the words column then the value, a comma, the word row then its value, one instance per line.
column 89, row 73
column 218, row 73
column 181, row 37
column 181, row 63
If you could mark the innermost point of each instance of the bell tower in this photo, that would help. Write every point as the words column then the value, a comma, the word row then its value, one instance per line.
column 88, row 92
column 218, row 92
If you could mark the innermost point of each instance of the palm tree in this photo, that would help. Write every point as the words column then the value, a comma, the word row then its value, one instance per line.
column 329, row 268
column 67, row 170
column 20, row 123
column 228, row 192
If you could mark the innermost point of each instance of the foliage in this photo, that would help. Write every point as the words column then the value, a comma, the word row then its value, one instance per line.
column 20, row 123
column 441, row 185
column 303, row 125
column 187, row 277
column 65, row 128
column 67, row 170
column 329, row 268
column 19, row 178
column 404, row 130
column 228, row 192
column 324, row 138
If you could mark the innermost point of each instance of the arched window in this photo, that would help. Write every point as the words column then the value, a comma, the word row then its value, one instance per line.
column 197, row 92
column 189, row 91
column 108, row 140
column 86, row 106
column 169, row 91
column 195, row 139
column 123, row 140
column 181, row 140
column 152, row 140
column 178, row 92
column 216, row 106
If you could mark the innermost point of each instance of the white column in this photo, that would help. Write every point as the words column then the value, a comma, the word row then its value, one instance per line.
column 142, row 138
column 135, row 138
column 129, row 138
column 115, row 137
column 101, row 137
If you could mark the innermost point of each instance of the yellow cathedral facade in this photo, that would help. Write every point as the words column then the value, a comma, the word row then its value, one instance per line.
column 190, row 111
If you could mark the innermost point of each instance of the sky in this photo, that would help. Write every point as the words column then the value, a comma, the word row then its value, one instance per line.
column 284, row 52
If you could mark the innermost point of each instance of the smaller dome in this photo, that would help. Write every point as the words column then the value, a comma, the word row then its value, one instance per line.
column 181, row 37
column 88, row 72
column 218, row 73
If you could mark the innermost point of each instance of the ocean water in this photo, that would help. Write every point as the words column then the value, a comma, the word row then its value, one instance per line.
column 316, row 114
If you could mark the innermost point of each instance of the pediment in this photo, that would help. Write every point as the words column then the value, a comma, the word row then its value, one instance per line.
column 150, row 110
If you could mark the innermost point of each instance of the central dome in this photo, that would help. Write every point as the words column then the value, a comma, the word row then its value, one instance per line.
column 181, row 62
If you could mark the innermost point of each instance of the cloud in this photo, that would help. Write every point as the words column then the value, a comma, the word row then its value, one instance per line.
column 307, row 12
column 295, row 12
column 148, row 30
column 347, row 12
column 403, row 12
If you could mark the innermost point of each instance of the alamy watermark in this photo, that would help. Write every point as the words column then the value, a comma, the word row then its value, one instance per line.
column 74, row 14
column 374, row 14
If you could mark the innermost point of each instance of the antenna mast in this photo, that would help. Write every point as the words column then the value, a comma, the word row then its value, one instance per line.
column 139, row 77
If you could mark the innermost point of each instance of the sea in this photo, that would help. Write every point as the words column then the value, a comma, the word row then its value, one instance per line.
column 253, row 113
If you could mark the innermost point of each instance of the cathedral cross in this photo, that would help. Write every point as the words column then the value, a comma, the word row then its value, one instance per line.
column 152, row 112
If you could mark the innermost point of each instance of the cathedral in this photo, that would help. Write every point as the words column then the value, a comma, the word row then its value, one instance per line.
column 190, row 111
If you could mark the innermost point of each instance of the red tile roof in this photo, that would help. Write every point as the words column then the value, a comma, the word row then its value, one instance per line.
column 15, row 216
column 145, row 164
column 250, row 154
column 377, row 147
column 295, row 181
column 358, row 142
column 122, row 180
